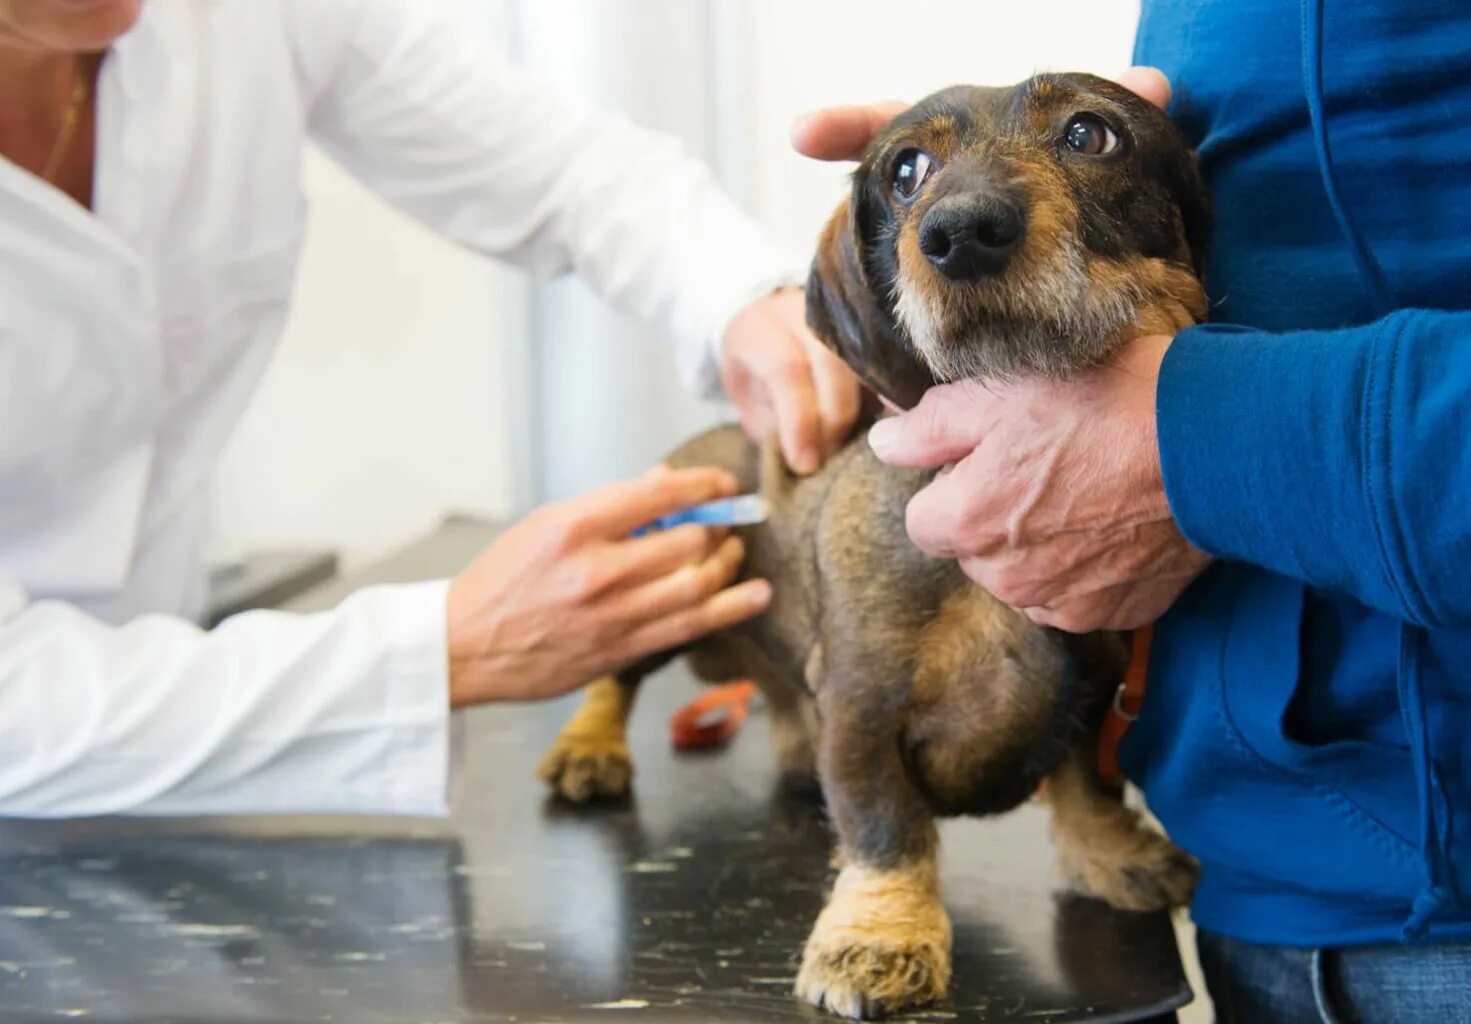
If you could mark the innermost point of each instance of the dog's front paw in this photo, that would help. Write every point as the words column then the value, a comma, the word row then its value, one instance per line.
column 880, row 945
column 581, row 767
column 1144, row 872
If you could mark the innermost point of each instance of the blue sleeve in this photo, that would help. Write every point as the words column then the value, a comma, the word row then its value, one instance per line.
column 1341, row 458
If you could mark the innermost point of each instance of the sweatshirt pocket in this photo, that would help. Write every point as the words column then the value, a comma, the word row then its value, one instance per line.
column 1357, row 811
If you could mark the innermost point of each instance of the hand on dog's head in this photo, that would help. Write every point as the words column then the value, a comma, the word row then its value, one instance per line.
column 995, row 232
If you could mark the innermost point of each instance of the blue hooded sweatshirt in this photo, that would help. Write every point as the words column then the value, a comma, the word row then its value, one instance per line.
column 1307, row 727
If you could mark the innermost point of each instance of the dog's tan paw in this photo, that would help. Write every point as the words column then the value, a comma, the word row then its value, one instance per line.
column 1147, row 873
column 865, row 980
column 881, row 944
column 580, row 768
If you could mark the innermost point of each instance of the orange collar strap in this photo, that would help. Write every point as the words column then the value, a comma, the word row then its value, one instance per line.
column 1128, row 701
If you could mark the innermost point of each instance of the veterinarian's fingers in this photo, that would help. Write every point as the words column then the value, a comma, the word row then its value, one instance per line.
column 628, row 563
column 1149, row 83
column 681, row 589
column 617, row 510
column 725, row 609
column 949, row 421
column 839, row 397
column 751, row 398
column 798, row 423
column 757, row 417
column 842, row 133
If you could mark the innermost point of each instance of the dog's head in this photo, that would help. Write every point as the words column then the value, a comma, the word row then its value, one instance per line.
column 996, row 232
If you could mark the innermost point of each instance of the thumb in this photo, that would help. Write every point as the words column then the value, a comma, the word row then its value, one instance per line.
column 949, row 421
column 842, row 133
column 1149, row 83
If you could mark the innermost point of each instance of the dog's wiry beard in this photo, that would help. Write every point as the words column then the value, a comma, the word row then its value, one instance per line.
column 1051, row 320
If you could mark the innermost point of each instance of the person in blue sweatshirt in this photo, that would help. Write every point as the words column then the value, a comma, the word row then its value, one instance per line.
column 1286, row 490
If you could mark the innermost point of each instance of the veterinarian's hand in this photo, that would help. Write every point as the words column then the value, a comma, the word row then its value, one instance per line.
column 842, row 133
column 1051, row 495
column 783, row 381
column 565, row 595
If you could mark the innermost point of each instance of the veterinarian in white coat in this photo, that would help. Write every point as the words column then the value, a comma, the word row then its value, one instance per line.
column 150, row 221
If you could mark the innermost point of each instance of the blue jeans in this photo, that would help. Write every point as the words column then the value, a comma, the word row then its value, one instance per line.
column 1253, row 984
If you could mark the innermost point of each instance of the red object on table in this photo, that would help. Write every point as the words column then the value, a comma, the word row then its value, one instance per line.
column 713, row 717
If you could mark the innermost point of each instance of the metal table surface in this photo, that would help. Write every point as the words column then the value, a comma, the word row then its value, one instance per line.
column 688, row 902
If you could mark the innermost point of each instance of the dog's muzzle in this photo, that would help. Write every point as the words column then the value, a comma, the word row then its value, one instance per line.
column 969, row 236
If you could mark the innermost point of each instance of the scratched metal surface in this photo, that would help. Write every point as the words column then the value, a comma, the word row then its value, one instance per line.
column 687, row 903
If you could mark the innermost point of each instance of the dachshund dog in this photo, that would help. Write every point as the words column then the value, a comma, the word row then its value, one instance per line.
column 990, row 233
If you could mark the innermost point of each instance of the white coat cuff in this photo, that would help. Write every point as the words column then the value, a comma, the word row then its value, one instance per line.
column 423, row 765
column 700, row 366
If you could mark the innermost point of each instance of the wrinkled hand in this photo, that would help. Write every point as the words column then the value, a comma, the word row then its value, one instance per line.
column 1051, row 495
column 842, row 133
column 783, row 381
column 565, row 595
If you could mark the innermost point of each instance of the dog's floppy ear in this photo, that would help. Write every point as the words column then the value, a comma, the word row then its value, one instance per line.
column 1193, row 199
column 846, row 316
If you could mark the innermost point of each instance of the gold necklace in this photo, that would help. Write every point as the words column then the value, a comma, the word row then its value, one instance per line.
column 68, row 125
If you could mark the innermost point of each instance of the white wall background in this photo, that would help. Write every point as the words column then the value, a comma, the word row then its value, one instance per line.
column 812, row 53
column 606, row 399
column 391, row 398
column 415, row 379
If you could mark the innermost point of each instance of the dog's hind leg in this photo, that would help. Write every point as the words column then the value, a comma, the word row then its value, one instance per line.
column 1109, row 851
column 793, row 726
column 590, row 756
column 882, row 942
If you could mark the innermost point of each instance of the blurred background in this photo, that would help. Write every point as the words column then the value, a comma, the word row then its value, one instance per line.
column 416, row 379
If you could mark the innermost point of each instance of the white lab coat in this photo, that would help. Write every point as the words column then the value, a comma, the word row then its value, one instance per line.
column 132, row 337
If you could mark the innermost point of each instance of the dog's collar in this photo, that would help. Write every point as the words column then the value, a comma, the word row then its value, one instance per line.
column 1128, row 700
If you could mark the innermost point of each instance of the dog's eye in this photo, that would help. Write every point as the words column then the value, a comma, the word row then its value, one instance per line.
column 1089, row 135
column 911, row 170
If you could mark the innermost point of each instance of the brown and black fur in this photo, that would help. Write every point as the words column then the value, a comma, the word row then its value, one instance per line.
column 910, row 692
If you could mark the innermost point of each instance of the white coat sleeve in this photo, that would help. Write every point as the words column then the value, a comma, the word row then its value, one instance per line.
column 415, row 104
column 344, row 711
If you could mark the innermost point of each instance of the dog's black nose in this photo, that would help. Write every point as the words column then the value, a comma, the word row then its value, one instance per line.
column 966, row 237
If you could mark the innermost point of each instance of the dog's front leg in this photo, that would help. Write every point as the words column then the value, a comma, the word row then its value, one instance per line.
column 590, row 756
column 882, row 942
